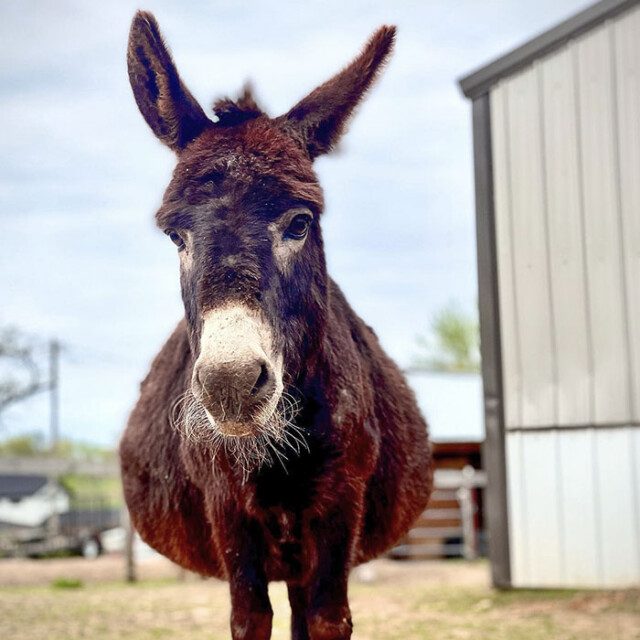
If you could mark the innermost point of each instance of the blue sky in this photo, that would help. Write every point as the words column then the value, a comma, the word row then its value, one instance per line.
column 81, row 174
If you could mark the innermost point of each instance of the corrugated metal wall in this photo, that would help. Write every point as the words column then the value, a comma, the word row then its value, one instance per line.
column 566, row 162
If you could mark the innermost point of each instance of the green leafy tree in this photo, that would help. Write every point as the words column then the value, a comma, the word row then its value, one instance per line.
column 29, row 444
column 33, row 444
column 454, row 346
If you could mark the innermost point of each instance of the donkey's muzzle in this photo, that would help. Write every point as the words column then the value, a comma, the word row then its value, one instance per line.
column 234, row 392
column 236, row 376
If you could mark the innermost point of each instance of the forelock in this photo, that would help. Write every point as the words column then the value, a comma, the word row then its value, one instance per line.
column 255, row 148
column 229, row 113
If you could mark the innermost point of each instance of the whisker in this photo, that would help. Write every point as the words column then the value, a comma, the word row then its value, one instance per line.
column 279, row 436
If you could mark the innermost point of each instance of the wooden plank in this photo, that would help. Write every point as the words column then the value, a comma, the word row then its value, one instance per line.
column 626, row 34
column 442, row 514
column 615, row 485
column 427, row 550
column 512, row 383
column 442, row 495
column 529, row 248
column 565, row 234
column 517, row 505
column 452, row 503
column 443, row 522
column 418, row 533
column 598, row 159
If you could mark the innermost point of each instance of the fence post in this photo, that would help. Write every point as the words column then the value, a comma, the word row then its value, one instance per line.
column 467, row 508
column 130, row 560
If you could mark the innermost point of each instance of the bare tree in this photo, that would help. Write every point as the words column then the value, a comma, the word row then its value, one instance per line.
column 21, row 375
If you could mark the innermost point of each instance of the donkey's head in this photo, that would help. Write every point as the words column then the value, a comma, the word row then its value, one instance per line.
column 243, row 208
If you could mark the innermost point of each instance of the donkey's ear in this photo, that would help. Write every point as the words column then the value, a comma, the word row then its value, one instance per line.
column 165, row 103
column 319, row 120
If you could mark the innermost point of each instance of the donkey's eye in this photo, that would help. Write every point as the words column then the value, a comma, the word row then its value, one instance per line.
column 176, row 238
column 298, row 227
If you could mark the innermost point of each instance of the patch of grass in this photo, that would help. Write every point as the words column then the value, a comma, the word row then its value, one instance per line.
column 66, row 583
column 507, row 597
column 87, row 488
column 58, row 553
column 397, row 606
column 625, row 602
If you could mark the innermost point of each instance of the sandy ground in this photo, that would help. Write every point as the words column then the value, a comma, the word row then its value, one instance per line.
column 437, row 600
column 108, row 568
column 111, row 568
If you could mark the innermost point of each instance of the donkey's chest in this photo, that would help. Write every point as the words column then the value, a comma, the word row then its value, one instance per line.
column 283, row 535
column 282, row 502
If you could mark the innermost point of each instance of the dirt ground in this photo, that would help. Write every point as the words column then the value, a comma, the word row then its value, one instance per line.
column 69, row 599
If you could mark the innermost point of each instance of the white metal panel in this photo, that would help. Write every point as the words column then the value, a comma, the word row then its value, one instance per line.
column 627, row 80
column 542, row 495
column 529, row 252
column 573, row 507
column 566, row 151
column 566, row 161
column 579, row 511
column 565, row 237
column 616, row 501
column 517, row 506
column 635, row 479
column 511, row 381
column 599, row 160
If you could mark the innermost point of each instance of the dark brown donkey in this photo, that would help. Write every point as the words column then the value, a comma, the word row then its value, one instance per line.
column 273, row 438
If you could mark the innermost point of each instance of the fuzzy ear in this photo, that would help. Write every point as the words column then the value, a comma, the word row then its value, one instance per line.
column 165, row 103
column 320, row 119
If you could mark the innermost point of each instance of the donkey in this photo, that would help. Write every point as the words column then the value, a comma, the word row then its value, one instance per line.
column 273, row 439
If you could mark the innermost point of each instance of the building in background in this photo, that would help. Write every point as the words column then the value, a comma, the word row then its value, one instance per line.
column 557, row 165
column 451, row 404
column 453, row 524
column 28, row 501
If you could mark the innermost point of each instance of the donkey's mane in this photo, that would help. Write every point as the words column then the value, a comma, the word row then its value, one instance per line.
column 229, row 113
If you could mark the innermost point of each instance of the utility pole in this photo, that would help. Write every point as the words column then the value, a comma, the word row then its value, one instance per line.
column 54, row 400
column 54, row 403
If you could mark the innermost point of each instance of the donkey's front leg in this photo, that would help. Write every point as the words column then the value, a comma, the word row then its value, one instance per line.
column 251, row 613
column 328, row 614
column 298, row 602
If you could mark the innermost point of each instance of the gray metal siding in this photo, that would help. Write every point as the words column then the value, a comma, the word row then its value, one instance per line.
column 565, row 135
column 478, row 82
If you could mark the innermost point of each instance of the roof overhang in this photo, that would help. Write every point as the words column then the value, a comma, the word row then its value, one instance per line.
column 481, row 80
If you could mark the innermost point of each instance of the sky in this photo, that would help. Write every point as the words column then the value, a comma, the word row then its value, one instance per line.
column 81, row 175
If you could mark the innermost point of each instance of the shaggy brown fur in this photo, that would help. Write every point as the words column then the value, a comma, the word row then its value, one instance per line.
column 366, row 471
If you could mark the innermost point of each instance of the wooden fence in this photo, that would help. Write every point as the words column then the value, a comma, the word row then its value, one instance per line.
column 448, row 528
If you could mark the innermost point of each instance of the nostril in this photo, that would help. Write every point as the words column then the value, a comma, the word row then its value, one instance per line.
column 261, row 382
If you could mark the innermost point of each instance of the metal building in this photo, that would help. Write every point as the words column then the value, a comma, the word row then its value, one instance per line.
column 556, row 126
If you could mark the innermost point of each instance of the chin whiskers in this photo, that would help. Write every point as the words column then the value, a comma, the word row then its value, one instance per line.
column 277, row 436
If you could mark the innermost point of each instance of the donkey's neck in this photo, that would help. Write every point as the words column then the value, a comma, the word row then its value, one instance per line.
column 341, row 367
